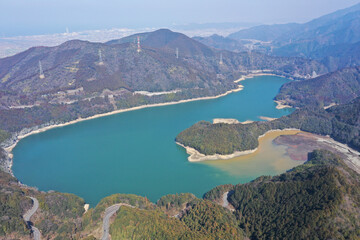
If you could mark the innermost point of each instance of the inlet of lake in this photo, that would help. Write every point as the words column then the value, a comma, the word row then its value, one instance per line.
column 135, row 152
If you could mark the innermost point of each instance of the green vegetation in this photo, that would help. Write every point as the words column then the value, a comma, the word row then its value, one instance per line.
column 93, row 216
column 60, row 214
column 340, row 122
column 64, row 205
column 314, row 201
column 10, row 212
column 133, row 223
column 12, row 205
column 3, row 156
column 204, row 220
column 213, row 221
column 4, row 135
column 221, row 138
column 172, row 204
column 338, row 87
column 217, row 192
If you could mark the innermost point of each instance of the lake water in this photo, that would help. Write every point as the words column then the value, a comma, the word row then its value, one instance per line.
column 135, row 152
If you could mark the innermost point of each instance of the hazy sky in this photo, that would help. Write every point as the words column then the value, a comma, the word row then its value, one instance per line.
column 20, row 17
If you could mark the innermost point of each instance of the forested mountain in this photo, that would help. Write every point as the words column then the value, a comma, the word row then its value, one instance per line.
column 58, row 212
column 168, row 40
column 265, row 33
column 317, row 200
column 332, row 39
column 224, row 43
column 335, row 28
column 117, row 64
column 334, row 88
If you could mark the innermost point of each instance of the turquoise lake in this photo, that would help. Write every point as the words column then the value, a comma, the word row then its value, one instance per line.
column 135, row 152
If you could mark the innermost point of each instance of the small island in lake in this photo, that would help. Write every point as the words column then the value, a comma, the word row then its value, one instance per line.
column 208, row 141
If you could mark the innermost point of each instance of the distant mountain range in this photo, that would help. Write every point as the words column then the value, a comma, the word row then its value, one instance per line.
column 218, row 25
column 220, row 42
column 167, row 40
column 113, row 65
column 264, row 33
column 117, row 64
column 333, row 39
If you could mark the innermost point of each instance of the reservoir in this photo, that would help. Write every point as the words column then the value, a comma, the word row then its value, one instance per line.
column 135, row 152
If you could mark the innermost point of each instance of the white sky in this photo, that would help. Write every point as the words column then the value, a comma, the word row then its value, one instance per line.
column 21, row 17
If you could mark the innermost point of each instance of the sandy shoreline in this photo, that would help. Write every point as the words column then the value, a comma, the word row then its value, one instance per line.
column 281, row 104
column 267, row 118
column 225, row 120
column 247, row 122
column 252, row 75
column 299, row 145
column 352, row 154
column 150, row 94
column 196, row 156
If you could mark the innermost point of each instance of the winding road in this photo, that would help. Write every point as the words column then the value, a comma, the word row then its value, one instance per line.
column 27, row 216
column 109, row 212
column 225, row 202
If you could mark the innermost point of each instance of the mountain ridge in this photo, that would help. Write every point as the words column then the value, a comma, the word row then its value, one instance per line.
column 338, row 87
column 332, row 39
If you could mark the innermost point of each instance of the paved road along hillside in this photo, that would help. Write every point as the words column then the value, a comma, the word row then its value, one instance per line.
column 109, row 212
column 27, row 216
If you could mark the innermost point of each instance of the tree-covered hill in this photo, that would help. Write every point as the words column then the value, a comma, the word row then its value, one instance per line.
column 334, row 88
column 204, row 220
column 264, row 32
column 59, row 214
column 224, row 43
column 317, row 200
column 221, row 138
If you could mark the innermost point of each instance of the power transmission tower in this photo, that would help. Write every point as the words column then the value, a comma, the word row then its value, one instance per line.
column 177, row 53
column 41, row 73
column 100, row 58
column 250, row 58
column 138, row 44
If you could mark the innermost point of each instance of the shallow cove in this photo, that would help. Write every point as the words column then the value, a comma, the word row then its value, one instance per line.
column 268, row 156
column 135, row 152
